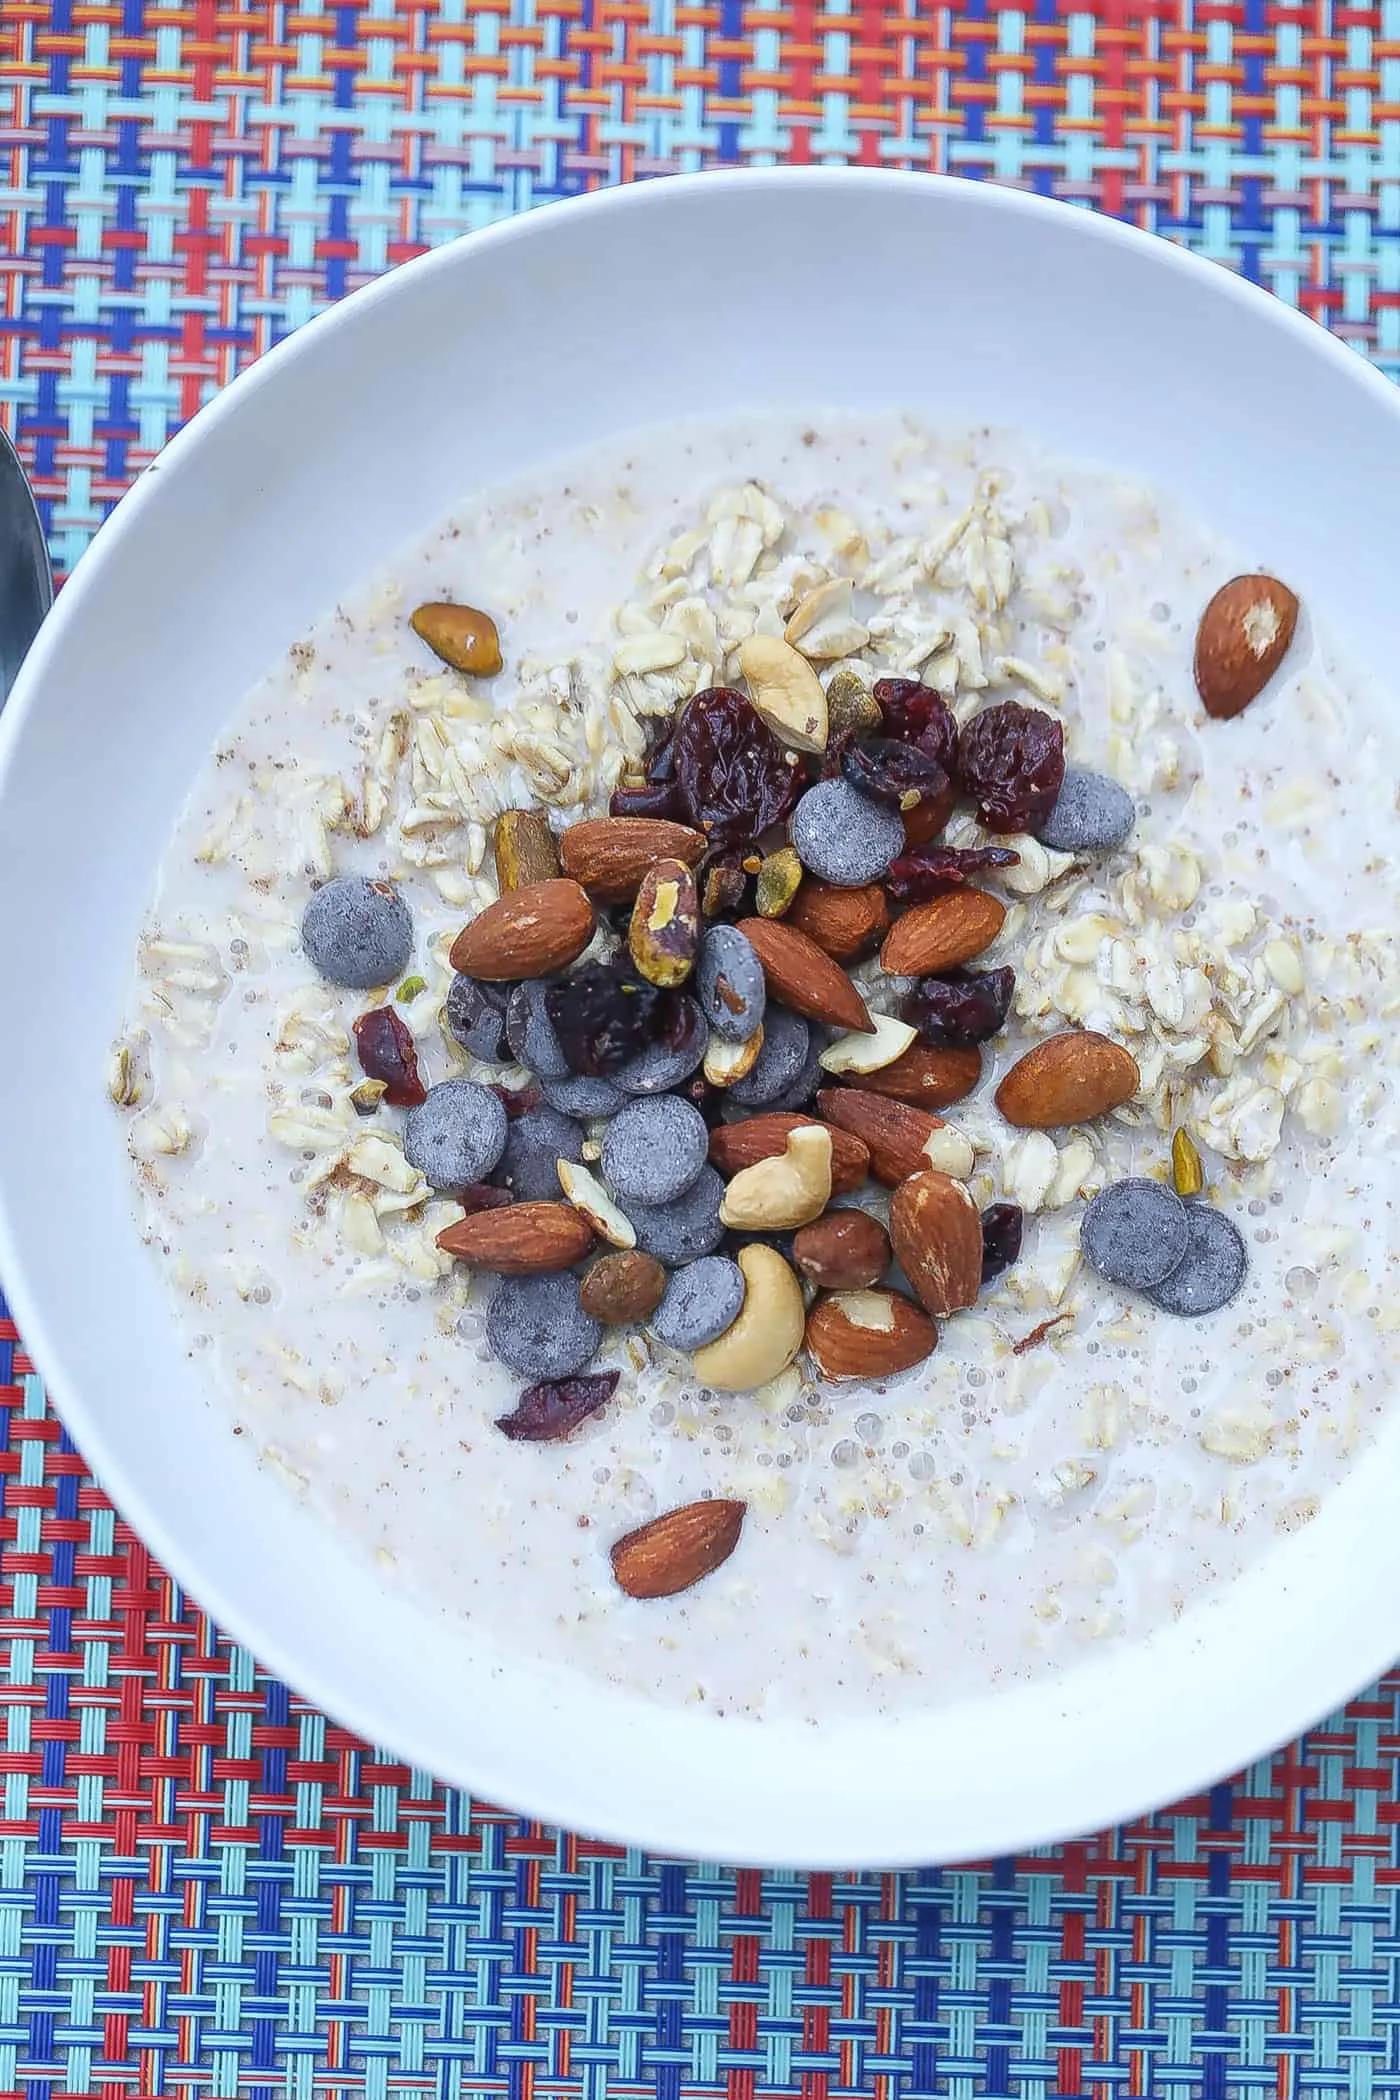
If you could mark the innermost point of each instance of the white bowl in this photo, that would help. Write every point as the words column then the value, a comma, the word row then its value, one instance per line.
column 823, row 287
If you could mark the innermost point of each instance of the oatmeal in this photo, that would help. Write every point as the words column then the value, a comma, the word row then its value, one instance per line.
column 1096, row 1043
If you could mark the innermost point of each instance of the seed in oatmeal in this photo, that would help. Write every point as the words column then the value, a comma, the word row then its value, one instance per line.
column 537, row 1327
column 655, row 1149
column 1211, row 1270
column 790, row 1189
column 786, row 1042
column 357, row 932
column 1002, row 1226
column 457, row 1135
column 844, row 837
column 580, row 1096
column 851, row 707
column 737, row 1145
column 725, row 886
column 960, row 1007
column 766, row 1336
column 785, row 691
column 1012, row 763
column 474, row 1015
column 385, row 1047
column 1134, row 1232
column 899, row 1138
column 622, row 1288
column 701, row 1301
column 729, row 983
column 671, row 1060
column 552, row 1410
column 1092, row 814
column 868, row 1334
column 530, row 1032
column 686, row 1228
column 461, row 636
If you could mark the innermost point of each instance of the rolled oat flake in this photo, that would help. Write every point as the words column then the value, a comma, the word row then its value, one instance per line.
column 1211, row 1270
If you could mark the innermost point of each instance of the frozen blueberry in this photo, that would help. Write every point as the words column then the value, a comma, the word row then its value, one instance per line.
column 684, row 1230
column 1210, row 1272
column 578, row 1096
column 457, row 1135
column 1134, row 1232
column 537, row 1326
column 654, row 1149
column 730, row 984
column 1091, row 814
column 700, row 1302
column 357, row 932
column 530, row 1033
column 787, row 1042
column 475, row 1015
column 533, row 1144
column 661, row 1065
column 843, row 836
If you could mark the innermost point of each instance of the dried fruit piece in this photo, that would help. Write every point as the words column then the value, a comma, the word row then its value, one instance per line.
column 1002, row 1226
column 948, row 930
column 552, row 1410
column 461, row 636
column 1243, row 637
column 900, row 1139
column 1134, row 1232
column 602, row 1016
column 1187, row 1176
column 1211, row 1270
column 785, row 691
column 868, row 1334
column 734, row 777
column 524, row 848
column 900, row 775
column 778, row 881
column 936, row 1234
column 1012, row 763
column 961, row 1007
column 675, row 1551
column 915, row 713
column 803, row 976
column 609, row 856
column 482, row 1196
column 521, row 1239
column 846, row 923
column 621, row 1289
column 844, row 837
column 1069, row 1078
column 930, row 870
column 385, row 1048
column 929, row 1078
column 734, row 1146
column 657, row 799
column 664, row 934
column 847, row 1250
column 530, row 933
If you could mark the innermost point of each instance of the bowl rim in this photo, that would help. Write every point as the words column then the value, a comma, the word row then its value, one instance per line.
column 1362, row 1650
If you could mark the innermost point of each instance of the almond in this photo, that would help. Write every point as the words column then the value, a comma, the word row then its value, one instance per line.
column 931, row 1078
column 868, row 1334
column 901, row 1139
column 1070, row 1078
column 523, row 1239
column 610, row 855
column 847, row 1250
column 936, row 1233
column 803, row 976
column 678, row 1549
column 530, row 933
column 622, row 1288
column 846, row 923
column 734, row 1146
column 939, row 935
column 1242, row 639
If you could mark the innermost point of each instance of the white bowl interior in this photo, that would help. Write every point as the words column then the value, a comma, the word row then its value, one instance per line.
column 965, row 304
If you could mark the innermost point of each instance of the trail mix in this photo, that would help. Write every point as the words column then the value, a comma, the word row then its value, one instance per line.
column 719, row 1136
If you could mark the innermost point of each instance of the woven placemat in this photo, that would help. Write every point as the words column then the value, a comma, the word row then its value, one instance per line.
column 206, row 1887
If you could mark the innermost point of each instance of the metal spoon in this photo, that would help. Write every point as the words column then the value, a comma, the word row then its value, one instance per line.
column 26, row 579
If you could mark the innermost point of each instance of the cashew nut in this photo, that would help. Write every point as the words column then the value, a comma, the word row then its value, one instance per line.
column 790, row 1189
column 727, row 1063
column 768, row 1332
column 591, row 1199
column 869, row 1052
column 785, row 691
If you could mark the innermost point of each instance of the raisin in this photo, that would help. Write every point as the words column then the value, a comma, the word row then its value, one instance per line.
column 916, row 714
column 385, row 1048
column 960, row 1007
column 548, row 1412
column 1001, row 1238
column 517, row 1100
column 479, row 1195
column 659, row 799
column 602, row 1015
column 1012, row 763
column 735, row 778
column 929, row 870
column 900, row 775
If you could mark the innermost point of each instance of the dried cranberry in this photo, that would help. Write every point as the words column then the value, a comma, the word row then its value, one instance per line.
column 518, row 1100
column 1001, row 1238
column 601, row 1015
column 548, row 1412
column 929, row 870
column 661, row 800
column 959, row 1008
column 481, row 1196
column 385, row 1048
column 833, row 760
column 1012, row 762
column 916, row 714
column 735, row 778
column 897, row 774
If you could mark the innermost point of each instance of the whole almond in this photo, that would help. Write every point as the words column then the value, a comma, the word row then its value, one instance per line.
column 734, row 1146
column 803, row 976
column 678, row 1549
column 1242, row 639
column 664, row 934
column 463, row 637
column 930, row 1078
column 610, row 855
column 524, row 848
column 623, row 1288
column 900, row 1138
column 1069, row 1078
column 846, row 923
column 868, row 1334
column 936, row 1233
column 523, row 1239
column 939, row 935
column 531, row 932
column 846, row 1250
